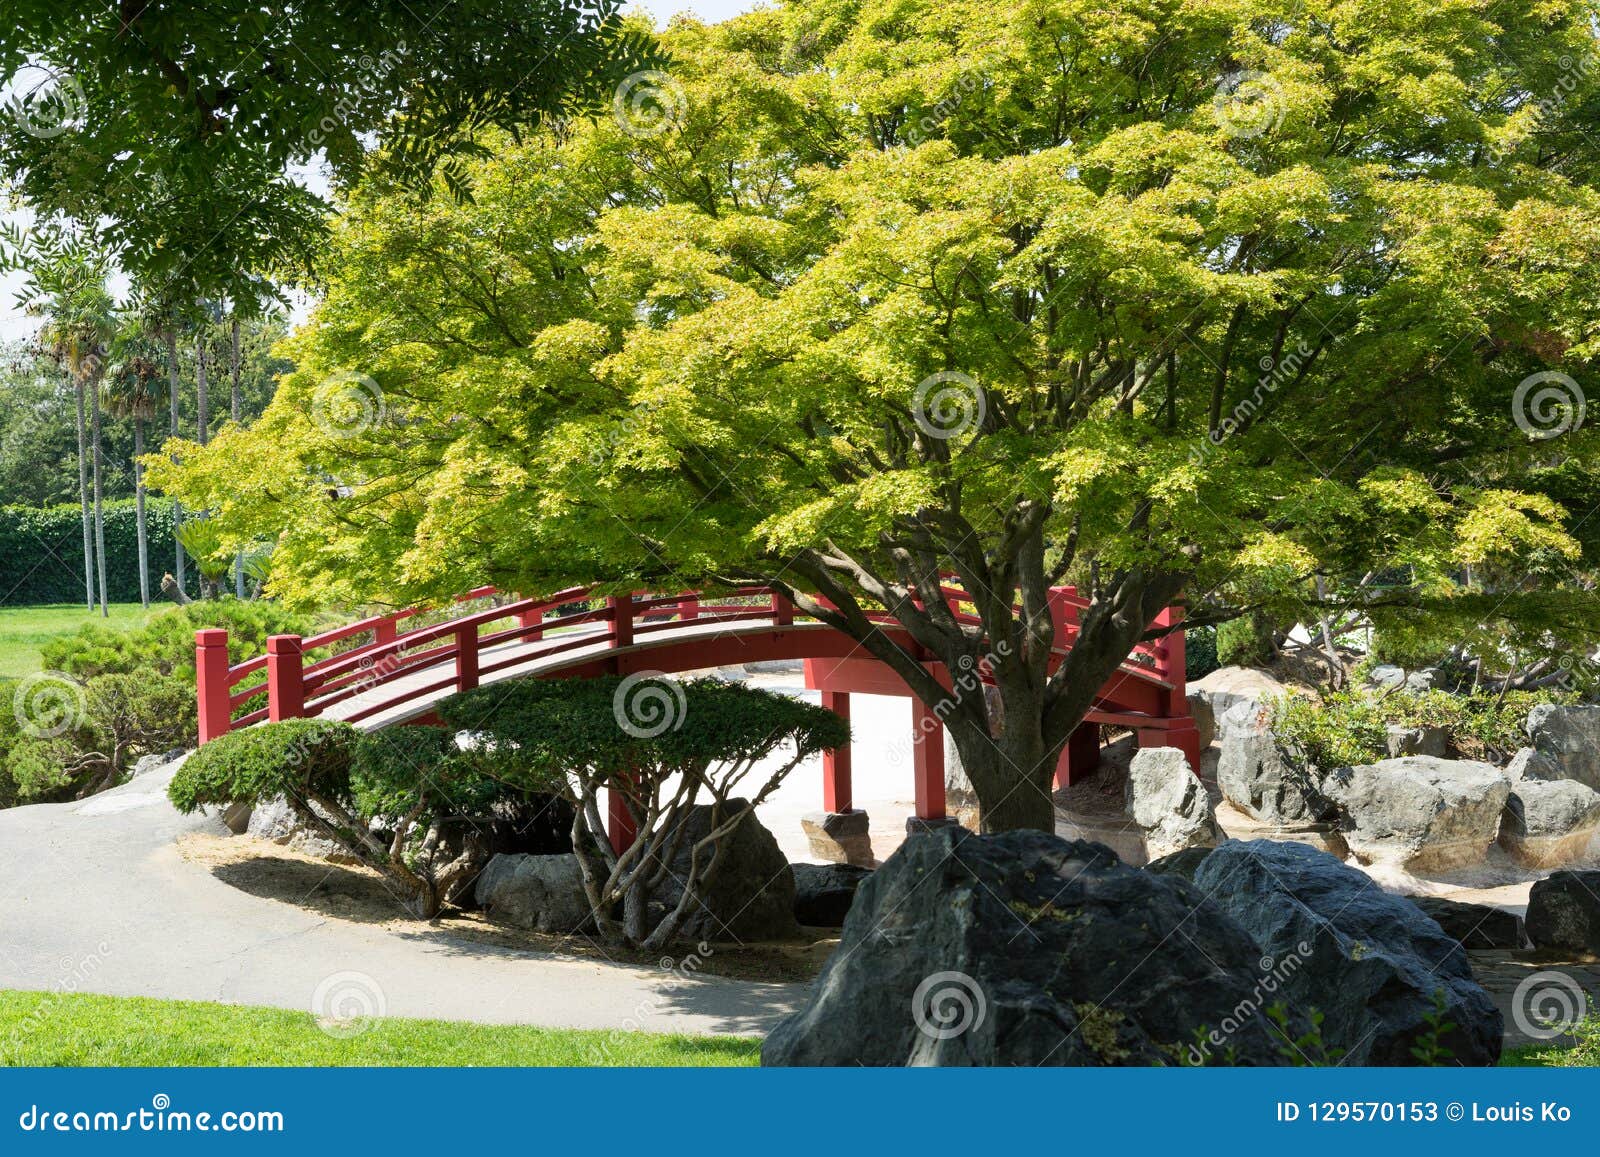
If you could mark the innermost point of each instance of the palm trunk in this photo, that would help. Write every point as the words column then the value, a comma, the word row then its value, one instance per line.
column 202, row 395
column 138, row 502
column 83, row 494
column 177, row 508
column 99, row 508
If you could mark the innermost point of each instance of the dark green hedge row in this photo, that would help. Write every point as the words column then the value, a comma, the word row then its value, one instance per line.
column 41, row 552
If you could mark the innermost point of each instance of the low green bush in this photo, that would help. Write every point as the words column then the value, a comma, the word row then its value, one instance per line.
column 384, row 797
column 165, row 645
column 1245, row 642
column 1199, row 652
column 661, row 747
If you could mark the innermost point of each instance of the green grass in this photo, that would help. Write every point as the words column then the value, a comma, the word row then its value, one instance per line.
column 24, row 630
column 41, row 1028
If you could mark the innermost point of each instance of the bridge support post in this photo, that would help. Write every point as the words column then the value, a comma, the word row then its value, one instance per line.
column 836, row 786
column 782, row 610
column 1080, row 757
column 286, row 687
column 619, row 822
column 211, row 682
column 927, row 758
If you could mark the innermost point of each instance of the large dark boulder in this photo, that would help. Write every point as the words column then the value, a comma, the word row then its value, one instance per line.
column 1473, row 925
column 823, row 893
column 1027, row 949
column 752, row 895
column 1371, row 962
column 1564, row 913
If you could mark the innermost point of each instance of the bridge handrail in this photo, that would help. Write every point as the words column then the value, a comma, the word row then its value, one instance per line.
column 295, row 688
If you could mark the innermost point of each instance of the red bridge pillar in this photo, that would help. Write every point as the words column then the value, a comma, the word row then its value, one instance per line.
column 286, row 688
column 836, row 786
column 927, row 758
column 211, row 680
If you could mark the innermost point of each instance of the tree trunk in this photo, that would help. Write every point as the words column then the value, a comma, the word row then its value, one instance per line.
column 234, row 409
column 141, row 530
column 171, row 336
column 1013, row 774
column 83, row 492
column 202, row 394
column 99, row 509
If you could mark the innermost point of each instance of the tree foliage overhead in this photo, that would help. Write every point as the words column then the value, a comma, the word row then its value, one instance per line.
column 1239, row 301
column 177, row 126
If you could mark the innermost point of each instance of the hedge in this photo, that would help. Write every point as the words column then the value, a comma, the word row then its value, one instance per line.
column 41, row 552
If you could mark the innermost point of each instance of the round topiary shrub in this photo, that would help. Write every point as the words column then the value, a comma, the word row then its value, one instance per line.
column 300, row 759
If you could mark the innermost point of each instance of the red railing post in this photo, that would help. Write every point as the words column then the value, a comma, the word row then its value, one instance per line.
column 467, row 657
column 621, row 608
column 1170, row 661
column 689, row 606
column 286, row 686
column 384, row 632
column 1063, row 613
column 532, row 623
column 782, row 610
column 211, row 682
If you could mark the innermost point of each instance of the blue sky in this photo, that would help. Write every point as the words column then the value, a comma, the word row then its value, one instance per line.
column 15, row 324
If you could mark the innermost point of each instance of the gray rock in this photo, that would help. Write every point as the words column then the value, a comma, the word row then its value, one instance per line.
column 1569, row 737
column 145, row 764
column 1474, row 925
column 752, row 895
column 1386, row 675
column 1261, row 777
column 1399, row 741
column 1530, row 764
column 1185, row 863
column 840, row 837
column 823, row 893
column 276, row 821
column 1369, row 961
column 1427, row 679
column 1026, row 949
column 236, row 818
column 541, row 892
column 1423, row 813
column 1564, row 913
column 1205, row 717
column 1169, row 803
column 1549, row 824
column 1229, row 687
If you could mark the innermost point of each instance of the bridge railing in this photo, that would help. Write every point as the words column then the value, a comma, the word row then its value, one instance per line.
column 464, row 649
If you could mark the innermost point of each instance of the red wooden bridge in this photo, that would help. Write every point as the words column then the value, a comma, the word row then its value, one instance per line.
column 388, row 674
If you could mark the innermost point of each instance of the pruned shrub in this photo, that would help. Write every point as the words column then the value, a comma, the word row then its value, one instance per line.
column 1245, row 642
column 662, row 747
column 387, row 798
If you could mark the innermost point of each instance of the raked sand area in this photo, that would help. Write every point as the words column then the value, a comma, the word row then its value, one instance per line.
column 119, row 894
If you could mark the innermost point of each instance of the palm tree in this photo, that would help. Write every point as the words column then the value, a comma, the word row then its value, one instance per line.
column 133, row 389
column 65, row 286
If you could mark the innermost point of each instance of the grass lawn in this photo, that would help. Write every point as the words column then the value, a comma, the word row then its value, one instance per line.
column 23, row 630
column 41, row 1028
